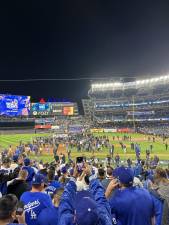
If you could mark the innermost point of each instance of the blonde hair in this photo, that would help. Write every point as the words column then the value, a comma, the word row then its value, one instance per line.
column 23, row 174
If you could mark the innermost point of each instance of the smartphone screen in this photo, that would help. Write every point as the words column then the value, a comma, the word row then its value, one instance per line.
column 19, row 211
column 20, row 208
column 79, row 160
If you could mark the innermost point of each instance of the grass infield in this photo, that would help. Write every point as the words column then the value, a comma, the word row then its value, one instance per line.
column 158, row 146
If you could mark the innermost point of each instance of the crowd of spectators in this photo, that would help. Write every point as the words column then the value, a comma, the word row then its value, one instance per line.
column 82, row 192
column 159, row 129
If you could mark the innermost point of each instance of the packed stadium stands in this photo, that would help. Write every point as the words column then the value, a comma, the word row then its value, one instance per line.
column 138, row 101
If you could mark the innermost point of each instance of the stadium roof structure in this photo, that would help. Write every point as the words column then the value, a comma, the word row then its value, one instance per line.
column 110, row 85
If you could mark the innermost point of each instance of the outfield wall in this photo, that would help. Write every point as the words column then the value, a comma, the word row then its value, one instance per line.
column 14, row 125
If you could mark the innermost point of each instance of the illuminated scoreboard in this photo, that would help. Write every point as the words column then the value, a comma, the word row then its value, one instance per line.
column 54, row 109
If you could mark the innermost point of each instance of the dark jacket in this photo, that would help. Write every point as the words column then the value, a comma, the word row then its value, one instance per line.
column 17, row 187
column 4, row 178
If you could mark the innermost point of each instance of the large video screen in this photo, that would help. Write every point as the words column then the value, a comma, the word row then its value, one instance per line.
column 40, row 109
column 68, row 111
column 14, row 105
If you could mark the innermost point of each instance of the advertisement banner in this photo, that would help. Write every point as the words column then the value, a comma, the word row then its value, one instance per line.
column 96, row 130
column 42, row 109
column 68, row 111
column 47, row 126
column 55, row 127
column 75, row 129
column 109, row 130
column 125, row 130
column 144, row 113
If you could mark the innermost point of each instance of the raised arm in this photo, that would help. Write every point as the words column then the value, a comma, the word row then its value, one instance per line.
column 66, row 207
column 97, row 191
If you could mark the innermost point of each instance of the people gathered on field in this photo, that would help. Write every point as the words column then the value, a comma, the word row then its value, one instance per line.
column 82, row 191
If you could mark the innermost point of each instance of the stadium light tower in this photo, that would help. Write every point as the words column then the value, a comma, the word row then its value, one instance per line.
column 123, row 84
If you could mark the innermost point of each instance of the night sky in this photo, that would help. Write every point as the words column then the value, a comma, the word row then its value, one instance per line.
column 80, row 38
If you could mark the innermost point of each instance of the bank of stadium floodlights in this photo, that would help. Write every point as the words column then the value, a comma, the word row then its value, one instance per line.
column 110, row 85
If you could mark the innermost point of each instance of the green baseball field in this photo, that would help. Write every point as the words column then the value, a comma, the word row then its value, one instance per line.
column 158, row 146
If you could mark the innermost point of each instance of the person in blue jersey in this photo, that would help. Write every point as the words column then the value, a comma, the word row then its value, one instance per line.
column 86, row 211
column 35, row 201
column 129, row 205
column 29, row 169
column 148, row 181
column 138, row 170
column 53, row 185
column 8, row 207
column 160, row 193
column 17, row 151
column 49, row 216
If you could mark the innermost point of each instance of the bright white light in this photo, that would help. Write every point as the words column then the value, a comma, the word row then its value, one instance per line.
column 119, row 85
column 147, row 81
column 166, row 77
column 138, row 82
column 106, row 85
column 162, row 78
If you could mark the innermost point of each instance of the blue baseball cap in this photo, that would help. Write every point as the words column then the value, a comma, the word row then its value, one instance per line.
column 27, row 161
column 86, row 209
column 71, row 171
column 15, row 158
column 82, row 194
column 38, row 179
column 64, row 170
column 124, row 174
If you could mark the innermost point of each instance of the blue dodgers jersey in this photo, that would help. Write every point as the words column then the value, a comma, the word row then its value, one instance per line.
column 132, row 206
column 48, row 216
column 34, row 203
